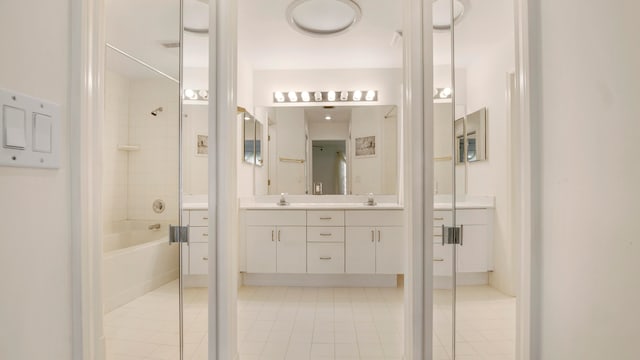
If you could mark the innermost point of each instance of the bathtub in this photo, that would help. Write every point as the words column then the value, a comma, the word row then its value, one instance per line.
column 136, row 260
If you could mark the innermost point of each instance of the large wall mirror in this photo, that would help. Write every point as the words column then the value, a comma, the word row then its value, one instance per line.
column 332, row 150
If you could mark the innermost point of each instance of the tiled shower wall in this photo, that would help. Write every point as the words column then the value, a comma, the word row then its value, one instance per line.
column 115, row 162
column 133, row 180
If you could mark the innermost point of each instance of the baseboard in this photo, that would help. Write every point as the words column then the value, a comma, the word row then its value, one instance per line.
column 462, row 279
column 320, row 280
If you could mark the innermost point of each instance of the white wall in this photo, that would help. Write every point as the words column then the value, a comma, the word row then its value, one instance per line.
column 586, row 81
column 245, row 100
column 487, row 87
column 35, row 246
column 195, row 170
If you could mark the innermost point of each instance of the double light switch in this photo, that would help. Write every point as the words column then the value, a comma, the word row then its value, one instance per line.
column 29, row 131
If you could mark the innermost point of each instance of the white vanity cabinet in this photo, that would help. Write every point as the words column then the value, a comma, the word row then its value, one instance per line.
column 195, row 254
column 276, row 241
column 474, row 255
column 374, row 242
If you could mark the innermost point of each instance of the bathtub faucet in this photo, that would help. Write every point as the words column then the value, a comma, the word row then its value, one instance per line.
column 154, row 227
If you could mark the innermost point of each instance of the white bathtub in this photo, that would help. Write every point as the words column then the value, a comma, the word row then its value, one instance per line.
column 136, row 260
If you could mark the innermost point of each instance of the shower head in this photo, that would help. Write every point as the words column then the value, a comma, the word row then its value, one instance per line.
column 156, row 111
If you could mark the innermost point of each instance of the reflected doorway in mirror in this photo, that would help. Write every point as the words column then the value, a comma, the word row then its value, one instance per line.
column 366, row 146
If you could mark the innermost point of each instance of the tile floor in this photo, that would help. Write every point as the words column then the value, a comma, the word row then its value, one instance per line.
column 312, row 323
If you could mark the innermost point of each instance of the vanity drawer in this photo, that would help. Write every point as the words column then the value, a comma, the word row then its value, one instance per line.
column 472, row 216
column 442, row 260
column 198, row 234
column 441, row 217
column 325, row 218
column 199, row 218
column 198, row 259
column 325, row 234
column 325, row 258
column 374, row 218
column 276, row 217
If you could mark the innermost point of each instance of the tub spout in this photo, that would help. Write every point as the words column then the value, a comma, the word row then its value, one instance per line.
column 154, row 227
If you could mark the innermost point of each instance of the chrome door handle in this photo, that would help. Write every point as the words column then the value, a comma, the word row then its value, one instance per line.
column 379, row 236
column 461, row 234
column 438, row 218
column 278, row 235
column 442, row 235
column 205, row 258
column 325, row 218
column 205, row 218
column 438, row 259
column 373, row 235
column 272, row 235
column 325, row 234
column 325, row 257
column 205, row 234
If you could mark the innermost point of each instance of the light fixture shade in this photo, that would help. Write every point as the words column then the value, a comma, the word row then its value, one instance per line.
column 357, row 95
column 323, row 17
column 279, row 96
column 344, row 95
column 442, row 13
column 293, row 97
column 317, row 96
column 305, row 96
column 371, row 95
column 331, row 95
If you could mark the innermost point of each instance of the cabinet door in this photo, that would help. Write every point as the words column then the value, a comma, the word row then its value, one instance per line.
column 472, row 254
column 261, row 249
column 292, row 249
column 360, row 250
column 390, row 251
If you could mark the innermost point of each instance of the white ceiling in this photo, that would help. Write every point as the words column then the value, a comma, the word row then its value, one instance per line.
column 266, row 41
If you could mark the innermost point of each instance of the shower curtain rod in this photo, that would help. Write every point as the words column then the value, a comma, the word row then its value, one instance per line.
column 143, row 63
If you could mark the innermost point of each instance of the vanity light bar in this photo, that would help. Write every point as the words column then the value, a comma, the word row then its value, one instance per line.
column 196, row 94
column 324, row 96
column 442, row 93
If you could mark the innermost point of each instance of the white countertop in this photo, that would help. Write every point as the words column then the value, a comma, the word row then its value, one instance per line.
column 322, row 206
column 440, row 203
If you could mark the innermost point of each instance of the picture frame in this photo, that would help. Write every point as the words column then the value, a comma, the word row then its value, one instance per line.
column 365, row 146
column 201, row 144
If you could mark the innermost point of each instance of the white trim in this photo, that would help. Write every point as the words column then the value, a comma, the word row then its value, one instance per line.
column 223, row 207
column 417, row 109
column 85, row 104
column 526, row 208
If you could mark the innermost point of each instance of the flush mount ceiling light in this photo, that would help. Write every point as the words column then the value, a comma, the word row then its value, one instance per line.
column 442, row 13
column 196, row 16
column 323, row 17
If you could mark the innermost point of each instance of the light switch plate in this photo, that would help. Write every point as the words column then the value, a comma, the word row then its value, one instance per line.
column 41, row 131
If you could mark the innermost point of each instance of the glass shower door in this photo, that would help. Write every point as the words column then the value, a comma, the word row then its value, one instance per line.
column 142, row 282
column 446, row 233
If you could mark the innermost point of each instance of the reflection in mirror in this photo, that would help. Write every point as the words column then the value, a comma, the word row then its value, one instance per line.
column 369, row 156
column 252, row 139
column 471, row 137
column 329, row 169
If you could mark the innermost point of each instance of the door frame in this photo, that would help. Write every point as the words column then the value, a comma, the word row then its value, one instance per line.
column 86, row 113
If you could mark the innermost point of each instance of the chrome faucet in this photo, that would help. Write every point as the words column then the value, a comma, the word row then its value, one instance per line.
column 283, row 201
column 154, row 227
column 370, row 200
